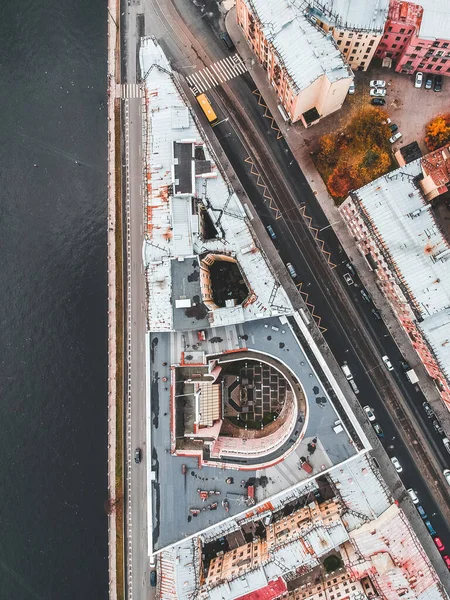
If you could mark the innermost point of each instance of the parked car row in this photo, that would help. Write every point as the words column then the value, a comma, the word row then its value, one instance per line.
column 429, row 79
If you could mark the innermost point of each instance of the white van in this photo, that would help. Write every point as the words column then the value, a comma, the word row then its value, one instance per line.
column 347, row 372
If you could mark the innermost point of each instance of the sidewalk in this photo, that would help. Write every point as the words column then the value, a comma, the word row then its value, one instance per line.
column 294, row 136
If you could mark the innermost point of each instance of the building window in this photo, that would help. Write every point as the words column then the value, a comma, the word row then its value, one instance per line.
column 371, row 43
column 389, row 29
column 356, row 44
column 347, row 44
column 339, row 42
column 438, row 68
column 398, row 38
column 443, row 61
column 402, row 30
column 435, row 45
column 350, row 35
column 353, row 51
column 394, row 45
column 434, row 60
column 440, row 53
column 421, row 65
column 366, row 56
column 385, row 37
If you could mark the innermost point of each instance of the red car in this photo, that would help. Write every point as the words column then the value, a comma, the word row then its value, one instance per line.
column 440, row 546
column 447, row 561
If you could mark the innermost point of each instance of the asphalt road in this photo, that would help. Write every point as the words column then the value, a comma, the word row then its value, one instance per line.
column 295, row 244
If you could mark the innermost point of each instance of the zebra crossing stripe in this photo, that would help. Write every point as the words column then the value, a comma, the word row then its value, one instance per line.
column 208, row 73
column 221, row 68
column 216, row 74
column 231, row 66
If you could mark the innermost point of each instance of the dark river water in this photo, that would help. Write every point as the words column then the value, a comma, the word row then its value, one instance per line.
column 53, row 528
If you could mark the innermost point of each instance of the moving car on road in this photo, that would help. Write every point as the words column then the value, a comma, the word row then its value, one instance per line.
column 418, row 80
column 369, row 412
column 137, row 456
column 396, row 464
column 387, row 362
column 377, row 92
column 378, row 83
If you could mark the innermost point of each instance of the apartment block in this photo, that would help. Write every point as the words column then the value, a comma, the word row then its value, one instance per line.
column 356, row 26
column 417, row 36
column 303, row 64
column 392, row 222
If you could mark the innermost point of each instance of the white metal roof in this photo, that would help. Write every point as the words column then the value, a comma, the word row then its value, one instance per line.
column 369, row 15
column 171, row 232
column 436, row 329
column 305, row 50
column 435, row 20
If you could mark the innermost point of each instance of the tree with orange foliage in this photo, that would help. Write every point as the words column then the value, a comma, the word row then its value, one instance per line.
column 438, row 132
column 342, row 180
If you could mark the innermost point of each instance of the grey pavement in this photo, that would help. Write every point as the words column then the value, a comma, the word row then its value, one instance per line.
column 299, row 141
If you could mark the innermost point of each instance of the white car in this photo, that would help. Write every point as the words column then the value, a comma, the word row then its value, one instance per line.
column 447, row 475
column 378, row 83
column 419, row 80
column 413, row 496
column 395, row 137
column 377, row 92
column 396, row 464
column 348, row 279
column 369, row 413
column 387, row 362
column 351, row 89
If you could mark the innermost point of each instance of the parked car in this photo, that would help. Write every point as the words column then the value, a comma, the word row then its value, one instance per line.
column 413, row 496
column 438, row 83
column 377, row 92
column 376, row 314
column 378, row 101
column 365, row 295
column 395, row 137
column 429, row 82
column 369, row 412
column 348, row 279
column 446, row 473
column 378, row 430
column 153, row 578
column 137, row 456
column 387, row 362
column 404, row 365
column 350, row 268
column 418, row 80
column 447, row 561
column 292, row 271
column 351, row 89
column 271, row 232
column 393, row 127
column 430, row 527
column 353, row 386
column 446, row 443
column 396, row 464
column 427, row 408
column 421, row 511
column 438, row 427
column 439, row 545
column 346, row 371
column 378, row 83
column 227, row 41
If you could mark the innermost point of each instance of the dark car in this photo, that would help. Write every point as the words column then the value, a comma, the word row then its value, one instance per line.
column 429, row 82
column 427, row 408
column 376, row 314
column 393, row 127
column 404, row 365
column 153, row 578
column 137, row 456
column 365, row 295
column 438, row 427
column 378, row 430
column 378, row 101
column 271, row 232
column 350, row 268
column 438, row 83
column 227, row 41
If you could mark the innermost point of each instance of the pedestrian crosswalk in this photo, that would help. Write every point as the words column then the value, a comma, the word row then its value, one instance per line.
column 131, row 90
column 216, row 74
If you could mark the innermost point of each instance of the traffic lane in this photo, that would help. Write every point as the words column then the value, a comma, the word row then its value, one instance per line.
column 387, row 347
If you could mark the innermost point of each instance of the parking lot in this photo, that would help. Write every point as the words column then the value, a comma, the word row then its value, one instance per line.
column 410, row 108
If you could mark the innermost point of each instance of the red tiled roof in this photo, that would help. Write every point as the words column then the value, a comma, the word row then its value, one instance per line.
column 269, row 592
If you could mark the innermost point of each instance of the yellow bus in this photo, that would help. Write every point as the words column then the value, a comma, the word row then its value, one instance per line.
column 207, row 108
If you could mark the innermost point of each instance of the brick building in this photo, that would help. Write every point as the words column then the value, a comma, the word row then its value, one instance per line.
column 303, row 64
column 393, row 224
column 356, row 26
column 417, row 36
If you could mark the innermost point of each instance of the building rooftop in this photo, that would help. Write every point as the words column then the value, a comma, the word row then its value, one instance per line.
column 435, row 20
column 369, row 15
column 183, row 178
column 306, row 51
column 412, row 242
